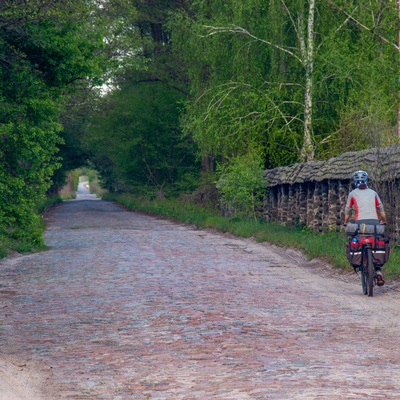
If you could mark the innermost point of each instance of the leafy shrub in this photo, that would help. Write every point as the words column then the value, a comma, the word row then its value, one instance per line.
column 241, row 184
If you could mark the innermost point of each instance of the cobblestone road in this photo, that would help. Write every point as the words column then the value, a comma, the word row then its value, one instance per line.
column 126, row 306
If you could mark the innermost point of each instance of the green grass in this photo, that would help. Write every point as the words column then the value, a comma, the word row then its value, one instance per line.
column 329, row 246
column 25, row 242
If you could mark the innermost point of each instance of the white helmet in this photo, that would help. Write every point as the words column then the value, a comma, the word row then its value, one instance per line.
column 360, row 178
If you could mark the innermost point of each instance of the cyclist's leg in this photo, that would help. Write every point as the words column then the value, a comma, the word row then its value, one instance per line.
column 379, row 276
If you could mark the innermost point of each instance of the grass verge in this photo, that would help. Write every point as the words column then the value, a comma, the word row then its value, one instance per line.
column 329, row 246
column 30, row 239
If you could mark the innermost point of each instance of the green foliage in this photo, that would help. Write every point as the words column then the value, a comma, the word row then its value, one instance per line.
column 246, row 93
column 242, row 185
column 392, row 267
column 31, row 238
column 249, row 90
column 131, row 134
column 358, row 82
column 135, row 141
column 27, row 161
column 44, row 48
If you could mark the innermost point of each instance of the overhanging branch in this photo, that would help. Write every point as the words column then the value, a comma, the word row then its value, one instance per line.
column 351, row 18
column 214, row 30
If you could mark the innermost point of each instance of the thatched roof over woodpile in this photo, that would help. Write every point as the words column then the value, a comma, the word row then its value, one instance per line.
column 381, row 163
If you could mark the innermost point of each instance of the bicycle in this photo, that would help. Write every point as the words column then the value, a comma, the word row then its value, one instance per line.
column 367, row 251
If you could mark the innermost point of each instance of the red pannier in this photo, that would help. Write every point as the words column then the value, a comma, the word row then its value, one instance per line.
column 380, row 252
column 354, row 253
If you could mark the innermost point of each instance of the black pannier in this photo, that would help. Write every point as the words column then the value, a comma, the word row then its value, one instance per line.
column 354, row 253
column 380, row 252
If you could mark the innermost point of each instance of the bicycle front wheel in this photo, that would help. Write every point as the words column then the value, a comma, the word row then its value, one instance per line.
column 370, row 273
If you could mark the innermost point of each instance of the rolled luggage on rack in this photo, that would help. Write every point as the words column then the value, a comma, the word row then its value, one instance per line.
column 353, row 229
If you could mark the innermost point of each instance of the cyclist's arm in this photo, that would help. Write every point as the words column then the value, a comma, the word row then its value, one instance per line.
column 380, row 210
column 348, row 208
column 382, row 214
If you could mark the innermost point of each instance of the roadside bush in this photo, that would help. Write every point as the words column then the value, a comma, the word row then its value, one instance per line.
column 241, row 185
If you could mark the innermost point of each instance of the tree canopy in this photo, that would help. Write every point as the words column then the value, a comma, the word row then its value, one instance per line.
column 44, row 52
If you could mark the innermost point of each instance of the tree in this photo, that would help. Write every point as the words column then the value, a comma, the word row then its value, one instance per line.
column 377, row 21
column 246, row 21
column 45, row 48
column 133, row 136
column 271, row 73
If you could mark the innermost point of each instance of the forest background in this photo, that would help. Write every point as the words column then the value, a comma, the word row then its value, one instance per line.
column 191, row 98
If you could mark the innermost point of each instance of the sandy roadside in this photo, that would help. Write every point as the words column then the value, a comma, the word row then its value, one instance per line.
column 24, row 380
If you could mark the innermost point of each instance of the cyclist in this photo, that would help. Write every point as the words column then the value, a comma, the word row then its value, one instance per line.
column 367, row 205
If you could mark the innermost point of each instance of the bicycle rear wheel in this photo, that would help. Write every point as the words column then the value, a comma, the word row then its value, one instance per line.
column 370, row 273
column 363, row 280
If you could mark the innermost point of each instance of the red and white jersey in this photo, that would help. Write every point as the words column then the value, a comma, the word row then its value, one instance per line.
column 365, row 202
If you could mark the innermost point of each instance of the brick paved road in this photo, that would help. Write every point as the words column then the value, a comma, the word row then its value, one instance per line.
column 125, row 306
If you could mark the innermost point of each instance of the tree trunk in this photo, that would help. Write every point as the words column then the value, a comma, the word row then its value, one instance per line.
column 307, row 150
column 398, row 49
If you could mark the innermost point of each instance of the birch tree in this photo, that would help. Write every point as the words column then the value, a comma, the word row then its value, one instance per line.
column 302, row 52
column 379, row 19
column 307, row 51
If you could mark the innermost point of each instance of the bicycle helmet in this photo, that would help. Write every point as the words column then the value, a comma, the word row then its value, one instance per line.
column 360, row 178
